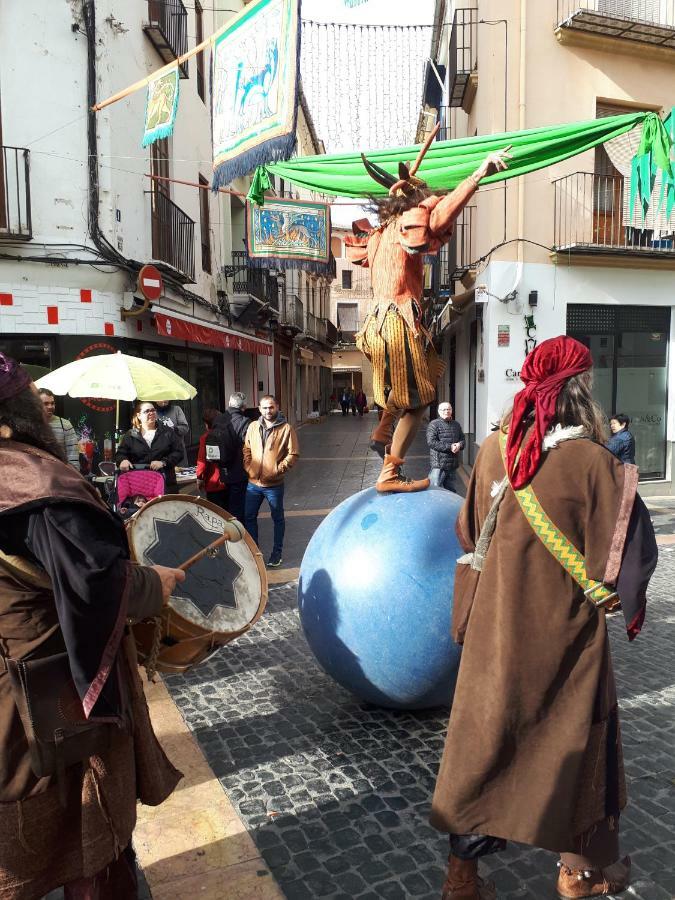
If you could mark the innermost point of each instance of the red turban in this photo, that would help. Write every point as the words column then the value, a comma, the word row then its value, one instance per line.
column 544, row 372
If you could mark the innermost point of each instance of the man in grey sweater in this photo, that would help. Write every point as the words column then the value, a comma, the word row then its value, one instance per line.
column 446, row 442
column 62, row 428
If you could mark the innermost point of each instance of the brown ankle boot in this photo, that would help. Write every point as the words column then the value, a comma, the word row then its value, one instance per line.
column 382, row 434
column 464, row 883
column 576, row 883
column 391, row 481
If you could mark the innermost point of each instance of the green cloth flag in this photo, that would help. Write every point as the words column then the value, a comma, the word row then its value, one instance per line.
column 447, row 163
column 161, row 107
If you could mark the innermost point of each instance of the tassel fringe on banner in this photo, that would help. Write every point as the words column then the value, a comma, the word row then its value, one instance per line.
column 273, row 150
column 275, row 262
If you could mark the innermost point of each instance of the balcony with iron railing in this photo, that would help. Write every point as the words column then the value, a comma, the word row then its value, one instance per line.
column 463, row 58
column 649, row 22
column 15, row 213
column 255, row 282
column 456, row 258
column 167, row 30
column 331, row 333
column 444, row 121
column 591, row 216
column 291, row 314
column 173, row 236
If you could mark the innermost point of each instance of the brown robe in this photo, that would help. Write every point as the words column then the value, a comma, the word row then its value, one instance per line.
column 42, row 844
column 533, row 750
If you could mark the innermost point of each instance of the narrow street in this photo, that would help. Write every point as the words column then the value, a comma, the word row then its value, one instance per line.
column 335, row 793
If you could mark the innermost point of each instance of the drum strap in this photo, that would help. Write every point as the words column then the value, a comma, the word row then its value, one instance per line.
column 557, row 544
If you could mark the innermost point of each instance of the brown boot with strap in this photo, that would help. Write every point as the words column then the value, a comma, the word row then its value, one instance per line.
column 574, row 884
column 464, row 883
column 392, row 481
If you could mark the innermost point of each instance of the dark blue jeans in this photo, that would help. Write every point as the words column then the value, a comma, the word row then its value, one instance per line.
column 235, row 501
column 444, row 478
column 275, row 497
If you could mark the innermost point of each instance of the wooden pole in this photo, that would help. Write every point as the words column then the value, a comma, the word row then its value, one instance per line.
column 137, row 85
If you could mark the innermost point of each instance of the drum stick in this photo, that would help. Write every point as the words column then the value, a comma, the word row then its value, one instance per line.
column 232, row 534
column 202, row 553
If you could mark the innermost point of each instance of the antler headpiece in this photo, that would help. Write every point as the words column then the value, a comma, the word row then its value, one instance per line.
column 406, row 183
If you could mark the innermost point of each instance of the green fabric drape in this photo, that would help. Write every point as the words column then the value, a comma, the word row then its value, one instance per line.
column 447, row 163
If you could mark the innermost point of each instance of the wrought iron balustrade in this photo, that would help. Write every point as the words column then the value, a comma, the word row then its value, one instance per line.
column 251, row 280
column 173, row 235
column 645, row 21
column 463, row 61
column 167, row 30
column 291, row 313
column 331, row 333
column 591, row 215
column 15, row 213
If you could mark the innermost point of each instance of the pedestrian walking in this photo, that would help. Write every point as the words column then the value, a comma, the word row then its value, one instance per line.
column 345, row 400
column 62, row 428
column 172, row 415
column 150, row 443
column 208, row 466
column 446, row 441
column 67, row 588
column 622, row 442
column 533, row 751
column 361, row 402
column 237, row 479
column 271, row 448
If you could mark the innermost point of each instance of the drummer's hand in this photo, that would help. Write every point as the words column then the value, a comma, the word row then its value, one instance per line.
column 169, row 579
column 156, row 465
column 125, row 465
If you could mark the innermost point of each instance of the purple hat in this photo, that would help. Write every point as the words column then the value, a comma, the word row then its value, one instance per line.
column 13, row 377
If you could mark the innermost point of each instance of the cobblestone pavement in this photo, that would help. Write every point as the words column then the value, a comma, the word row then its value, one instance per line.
column 336, row 793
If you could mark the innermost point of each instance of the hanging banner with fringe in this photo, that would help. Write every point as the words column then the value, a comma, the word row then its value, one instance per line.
column 289, row 234
column 255, row 88
column 161, row 107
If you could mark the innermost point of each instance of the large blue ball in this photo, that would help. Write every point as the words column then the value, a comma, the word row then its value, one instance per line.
column 375, row 596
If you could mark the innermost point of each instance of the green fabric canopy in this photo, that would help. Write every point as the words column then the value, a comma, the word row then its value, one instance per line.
column 447, row 163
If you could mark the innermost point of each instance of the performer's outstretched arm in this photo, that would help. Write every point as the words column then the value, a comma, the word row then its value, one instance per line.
column 444, row 214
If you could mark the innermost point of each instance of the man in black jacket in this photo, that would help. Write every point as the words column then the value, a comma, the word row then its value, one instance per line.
column 236, row 478
column 446, row 441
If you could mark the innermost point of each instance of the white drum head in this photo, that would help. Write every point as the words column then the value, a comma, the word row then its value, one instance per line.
column 224, row 592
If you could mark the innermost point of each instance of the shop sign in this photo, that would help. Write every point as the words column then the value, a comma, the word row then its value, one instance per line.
column 512, row 374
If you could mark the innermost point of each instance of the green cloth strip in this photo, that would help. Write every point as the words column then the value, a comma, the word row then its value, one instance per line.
column 447, row 163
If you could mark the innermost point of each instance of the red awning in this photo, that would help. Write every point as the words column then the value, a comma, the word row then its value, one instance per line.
column 201, row 334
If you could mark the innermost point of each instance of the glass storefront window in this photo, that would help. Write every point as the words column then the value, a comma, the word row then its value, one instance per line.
column 630, row 354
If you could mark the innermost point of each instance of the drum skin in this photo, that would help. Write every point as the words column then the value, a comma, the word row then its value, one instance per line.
column 223, row 594
column 375, row 596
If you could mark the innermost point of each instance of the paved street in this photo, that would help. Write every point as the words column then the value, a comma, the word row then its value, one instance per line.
column 335, row 792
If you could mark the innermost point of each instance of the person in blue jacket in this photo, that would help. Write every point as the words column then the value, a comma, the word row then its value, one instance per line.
column 622, row 442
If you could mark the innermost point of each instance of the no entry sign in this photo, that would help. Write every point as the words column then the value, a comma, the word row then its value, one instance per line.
column 150, row 282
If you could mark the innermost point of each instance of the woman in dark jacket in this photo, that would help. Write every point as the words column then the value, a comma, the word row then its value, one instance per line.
column 150, row 443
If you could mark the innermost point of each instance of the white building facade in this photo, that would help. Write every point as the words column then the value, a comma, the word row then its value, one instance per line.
column 557, row 251
column 79, row 214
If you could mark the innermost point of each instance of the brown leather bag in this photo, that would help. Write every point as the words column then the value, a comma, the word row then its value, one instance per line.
column 51, row 712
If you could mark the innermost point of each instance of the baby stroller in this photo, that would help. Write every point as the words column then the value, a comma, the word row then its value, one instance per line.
column 135, row 488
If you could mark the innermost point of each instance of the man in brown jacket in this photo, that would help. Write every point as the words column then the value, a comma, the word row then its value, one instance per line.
column 270, row 450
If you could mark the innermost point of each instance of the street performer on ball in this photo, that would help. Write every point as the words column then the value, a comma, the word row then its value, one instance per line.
column 413, row 221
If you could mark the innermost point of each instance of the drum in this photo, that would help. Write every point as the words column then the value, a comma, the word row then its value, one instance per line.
column 223, row 594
